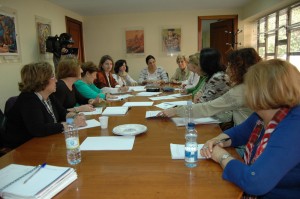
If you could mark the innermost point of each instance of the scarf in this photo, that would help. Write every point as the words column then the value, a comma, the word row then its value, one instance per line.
column 252, row 142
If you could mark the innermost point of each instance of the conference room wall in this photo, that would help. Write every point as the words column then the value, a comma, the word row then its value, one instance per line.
column 26, row 11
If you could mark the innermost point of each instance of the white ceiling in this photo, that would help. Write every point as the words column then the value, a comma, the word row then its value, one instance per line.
column 100, row 7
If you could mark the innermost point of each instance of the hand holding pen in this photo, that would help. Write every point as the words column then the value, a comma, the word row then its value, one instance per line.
column 210, row 144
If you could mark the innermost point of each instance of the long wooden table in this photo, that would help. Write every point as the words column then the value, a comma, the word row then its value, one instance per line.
column 147, row 171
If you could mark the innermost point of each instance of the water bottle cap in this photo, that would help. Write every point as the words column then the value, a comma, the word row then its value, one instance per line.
column 69, row 120
column 191, row 125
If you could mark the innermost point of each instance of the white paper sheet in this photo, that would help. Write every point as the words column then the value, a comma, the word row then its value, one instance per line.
column 90, row 124
column 147, row 94
column 162, row 97
column 108, row 143
column 177, row 151
column 180, row 121
column 95, row 112
column 129, row 104
column 119, row 97
column 152, row 113
column 165, row 105
column 137, row 88
column 115, row 110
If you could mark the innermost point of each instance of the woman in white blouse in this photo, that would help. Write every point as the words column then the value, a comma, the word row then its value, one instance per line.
column 121, row 74
column 153, row 74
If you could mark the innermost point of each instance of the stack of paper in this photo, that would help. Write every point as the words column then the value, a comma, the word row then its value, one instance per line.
column 115, row 110
column 97, row 111
column 45, row 183
column 179, row 121
column 177, row 151
column 150, row 114
column 129, row 104
column 108, row 143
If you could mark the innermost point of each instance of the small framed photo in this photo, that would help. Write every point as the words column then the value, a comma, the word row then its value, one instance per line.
column 171, row 40
column 134, row 39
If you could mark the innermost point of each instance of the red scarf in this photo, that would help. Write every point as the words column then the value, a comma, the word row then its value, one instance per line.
column 279, row 115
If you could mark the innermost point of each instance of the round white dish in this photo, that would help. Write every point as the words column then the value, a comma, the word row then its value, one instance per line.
column 129, row 129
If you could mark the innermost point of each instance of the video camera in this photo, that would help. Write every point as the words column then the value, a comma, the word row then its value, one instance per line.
column 55, row 44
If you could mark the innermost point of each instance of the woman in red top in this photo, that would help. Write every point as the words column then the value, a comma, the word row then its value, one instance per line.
column 104, row 76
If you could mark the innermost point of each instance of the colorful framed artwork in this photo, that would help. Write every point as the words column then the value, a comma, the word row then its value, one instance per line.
column 8, row 34
column 134, row 39
column 171, row 40
column 43, row 31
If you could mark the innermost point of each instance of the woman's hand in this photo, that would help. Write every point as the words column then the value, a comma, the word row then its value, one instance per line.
column 79, row 120
column 123, row 89
column 85, row 108
column 167, row 113
column 208, row 147
column 197, row 97
column 217, row 153
column 96, row 101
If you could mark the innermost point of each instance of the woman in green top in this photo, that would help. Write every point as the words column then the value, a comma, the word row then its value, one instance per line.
column 205, row 64
column 85, row 86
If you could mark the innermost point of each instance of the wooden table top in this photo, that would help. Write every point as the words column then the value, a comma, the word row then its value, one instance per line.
column 145, row 172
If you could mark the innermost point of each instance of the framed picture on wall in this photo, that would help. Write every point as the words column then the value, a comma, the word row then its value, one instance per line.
column 43, row 31
column 134, row 39
column 8, row 34
column 171, row 40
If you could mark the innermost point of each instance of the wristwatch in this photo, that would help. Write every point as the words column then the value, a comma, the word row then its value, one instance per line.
column 223, row 157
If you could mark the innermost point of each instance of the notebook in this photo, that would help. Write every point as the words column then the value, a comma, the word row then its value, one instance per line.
column 45, row 183
column 115, row 110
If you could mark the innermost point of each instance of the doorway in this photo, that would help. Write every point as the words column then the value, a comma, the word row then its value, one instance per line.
column 74, row 27
column 222, row 32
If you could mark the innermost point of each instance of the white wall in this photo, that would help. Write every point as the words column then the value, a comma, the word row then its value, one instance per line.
column 26, row 10
column 106, row 35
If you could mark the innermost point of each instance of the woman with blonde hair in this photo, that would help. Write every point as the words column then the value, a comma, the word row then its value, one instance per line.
column 271, row 166
column 182, row 73
column 36, row 113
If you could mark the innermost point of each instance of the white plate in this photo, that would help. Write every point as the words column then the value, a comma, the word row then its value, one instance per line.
column 129, row 129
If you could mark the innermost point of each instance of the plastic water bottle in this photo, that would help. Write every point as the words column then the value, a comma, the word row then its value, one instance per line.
column 191, row 146
column 72, row 142
column 189, row 114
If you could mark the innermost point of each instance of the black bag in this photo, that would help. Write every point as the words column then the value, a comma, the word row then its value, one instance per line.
column 52, row 44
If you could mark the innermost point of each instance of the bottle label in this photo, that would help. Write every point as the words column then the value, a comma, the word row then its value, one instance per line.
column 72, row 142
column 191, row 154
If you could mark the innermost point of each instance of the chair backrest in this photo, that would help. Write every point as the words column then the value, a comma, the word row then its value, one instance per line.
column 2, row 126
column 9, row 104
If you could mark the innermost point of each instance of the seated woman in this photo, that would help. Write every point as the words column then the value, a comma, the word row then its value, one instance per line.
column 191, row 81
column 36, row 113
column 182, row 73
column 212, row 82
column 153, row 74
column 121, row 74
column 85, row 85
column 105, row 80
column 233, row 100
column 68, row 72
column 271, row 167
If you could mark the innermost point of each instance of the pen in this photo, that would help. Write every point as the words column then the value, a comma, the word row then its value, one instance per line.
column 37, row 170
column 221, row 141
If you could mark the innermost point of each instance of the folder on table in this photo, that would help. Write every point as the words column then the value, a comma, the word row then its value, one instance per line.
column 46, row 183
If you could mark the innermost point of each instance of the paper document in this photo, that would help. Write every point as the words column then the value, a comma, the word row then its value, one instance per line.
column 108, row 143
column 115, row 110
column 177, row 151
column 137, row 88
column 119, row 97
column 150, row 114
column 95, row 112
column 180, row 121
column 90, row 124
column 147, row 94
column 129, row 104
column 162, row 97
column 45, row 183
column 165, row 105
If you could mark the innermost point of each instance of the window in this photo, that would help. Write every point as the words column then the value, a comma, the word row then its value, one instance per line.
column 279, row 35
